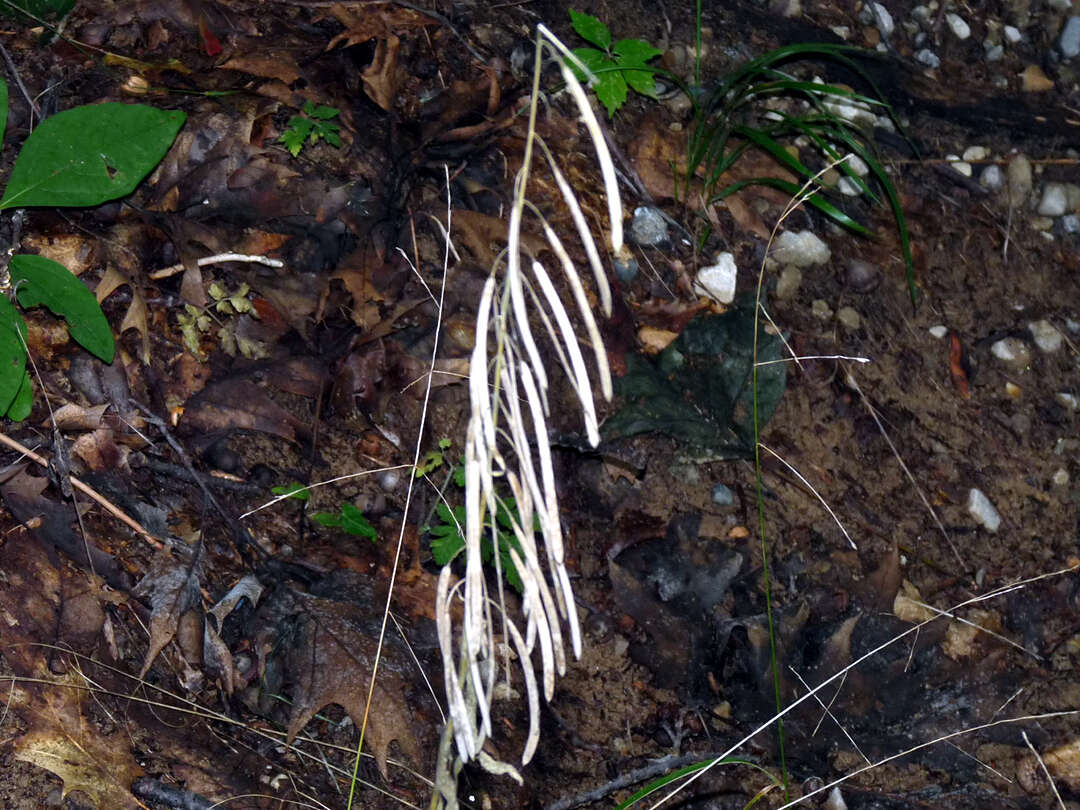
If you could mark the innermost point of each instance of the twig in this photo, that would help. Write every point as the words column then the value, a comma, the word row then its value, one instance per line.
column 174, row 269
column 101, row 500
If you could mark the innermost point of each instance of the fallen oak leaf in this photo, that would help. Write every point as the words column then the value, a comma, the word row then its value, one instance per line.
column 173, row 590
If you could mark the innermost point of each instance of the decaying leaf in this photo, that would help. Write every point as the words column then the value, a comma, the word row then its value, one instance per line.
column 173, row 589
column 381, row 77
column 63, row 741
column 327, row 659
column 135, row 317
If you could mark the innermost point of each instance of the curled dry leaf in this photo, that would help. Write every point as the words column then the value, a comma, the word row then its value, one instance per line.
column 173, row 589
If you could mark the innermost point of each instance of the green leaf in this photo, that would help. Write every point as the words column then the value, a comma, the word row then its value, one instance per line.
column 294, row 490
column 3, row 108
column 354, row 522
column 296, row 134
column 330, row 520
column 89, row 155
column 322, row 111
column 610, row 88
column 635, row 52
column 42, row 281
column 444, row 444
column 24, row 400
column 12, row 353
column 590, row 28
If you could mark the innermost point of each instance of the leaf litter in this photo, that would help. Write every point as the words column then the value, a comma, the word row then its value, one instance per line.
column 346, row 329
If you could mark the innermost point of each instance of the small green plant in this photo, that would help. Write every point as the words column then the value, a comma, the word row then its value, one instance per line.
column 617, row 67
column 447, row 540
column 433, row 459
column 81, row 157
column 348, row 518
column 313, row 124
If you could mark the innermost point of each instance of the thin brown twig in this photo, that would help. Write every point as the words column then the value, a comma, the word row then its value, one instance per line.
column 93, row 494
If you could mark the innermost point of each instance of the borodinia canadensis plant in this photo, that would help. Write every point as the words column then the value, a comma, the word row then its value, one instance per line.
column 507, row 455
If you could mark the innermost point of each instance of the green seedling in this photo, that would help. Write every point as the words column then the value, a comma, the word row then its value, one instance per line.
column 432, row 460
column 81, row 157
column 617, row 67
column 311, row 126
column 349, row 519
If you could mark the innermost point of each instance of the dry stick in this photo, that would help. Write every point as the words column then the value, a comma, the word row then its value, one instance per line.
column 1005, row 589
column 1045, row 770
column 101, row 500
column 174, row 269
column 850, row 379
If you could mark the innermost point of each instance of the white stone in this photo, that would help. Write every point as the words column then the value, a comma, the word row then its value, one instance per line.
column 1060, row 477
column 1012, row 350
column 1069, row 42
column 1046, row 336
column 992, row 178
column 788, row 283
column 1012, row 34
column 835, row 801
column 1054, row 200
column 718, row 281
column 848, row 187
column 961, row 166
column 939, row 331
column 980, row 508
column 856, row 164
column 800, row 248
column 877, row 15
column 958, row 25
column 1067, row 400
column 976, row 153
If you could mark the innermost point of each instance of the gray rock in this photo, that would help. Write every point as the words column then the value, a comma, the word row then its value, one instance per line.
column 1069, row 41
column 821, row 310
column 877, row 15
column 927, row 57
column 1070, row 223
column 1012, row 34
column 722, row 495
column 718, row 281
column 800, row 248
column 958, row 25
column 1054, row 200
column 849, row 318
column 992, row 178
column 648, row 227
column 1046, row 336
column 1012, row 351
column 995, row 53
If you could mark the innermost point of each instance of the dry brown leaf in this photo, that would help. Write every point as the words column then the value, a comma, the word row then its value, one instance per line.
column 266, row 64
column 237, row 404
column 375, row 23
column 76, row 417
column 329, row 661
column 172, row 588
column 135, row 317
column 381, row 78
column 99, row 450
column 63, row 741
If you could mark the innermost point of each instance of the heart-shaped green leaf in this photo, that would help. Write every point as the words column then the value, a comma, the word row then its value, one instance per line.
column 43, row 281
column 90, row 155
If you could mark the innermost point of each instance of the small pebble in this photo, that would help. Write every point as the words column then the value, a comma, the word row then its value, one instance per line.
column 1013, row 351
column 1012, row 34
column 958, row 25
column 849, row 318
column 626, row 271
column 1070, row 223
column 976, row 153
column 1069, row 42
column 648, row 227
column 1018, row 180
column 992, row 178
column 961, row 166
column 718, row 281
column 835, row 801
column 821, row 310
column 1046, row 336
column 722, row 495
column 877, row 15
column 1033, row 79
column 1054, row 200
column 862, row 276
column 848, row 187
column 1067, row 400
column 939, row 331
column 1013, row 390
column 980, row 508
column 927, row 57
column 1060, row 477
column 788, row 284
column 995, row 53
column 800, row 248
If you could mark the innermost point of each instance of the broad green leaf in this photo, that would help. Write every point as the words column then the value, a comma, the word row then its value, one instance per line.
column 24, row 400
column 12, row 353
column 635, row 51
column 592, row 59
column 354, row 522
column 42, row 281
column 3, row 108
column 90, row 155
column 591, row 29
column 610, row 88
column 322, row 111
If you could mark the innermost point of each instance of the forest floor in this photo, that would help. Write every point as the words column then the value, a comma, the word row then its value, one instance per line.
column 221, row 658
